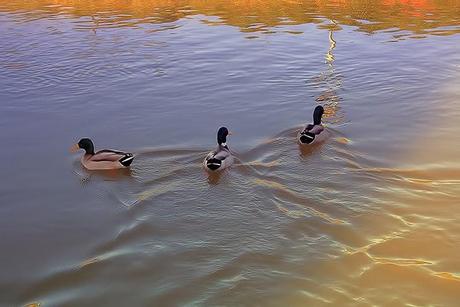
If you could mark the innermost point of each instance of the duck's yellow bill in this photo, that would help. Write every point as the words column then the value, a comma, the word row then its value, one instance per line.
column 74, row 148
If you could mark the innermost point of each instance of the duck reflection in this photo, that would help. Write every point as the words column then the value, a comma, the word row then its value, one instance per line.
column 106, row 175
column 306, row 151
column 214, row 177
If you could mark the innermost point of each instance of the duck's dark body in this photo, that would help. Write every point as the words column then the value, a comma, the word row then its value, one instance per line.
column 313, row 133
column 221, row 158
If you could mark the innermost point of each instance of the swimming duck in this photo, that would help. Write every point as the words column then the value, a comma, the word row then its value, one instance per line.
column 313, row 133
column 221, row 158
column 105, row 159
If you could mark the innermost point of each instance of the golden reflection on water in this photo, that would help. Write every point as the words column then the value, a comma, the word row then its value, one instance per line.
column 426, row 192
column 420, row 18
column 329, row 55
column 329, row 82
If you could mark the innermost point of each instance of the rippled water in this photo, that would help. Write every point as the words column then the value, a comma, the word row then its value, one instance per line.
column 370, row 217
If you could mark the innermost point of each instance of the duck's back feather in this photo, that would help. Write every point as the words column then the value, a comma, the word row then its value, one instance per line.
column 108, row 155
column 311, row 134
column 221, row 158
column 107, row 159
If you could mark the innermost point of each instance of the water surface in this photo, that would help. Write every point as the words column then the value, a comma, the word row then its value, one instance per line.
column 369, row 218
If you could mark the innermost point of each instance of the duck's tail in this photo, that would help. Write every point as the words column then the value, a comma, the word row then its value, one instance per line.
column 213, row 164
column 307, row 137
column 127, row 159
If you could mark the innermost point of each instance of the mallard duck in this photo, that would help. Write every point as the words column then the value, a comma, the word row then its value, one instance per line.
column 105, row 159
column 313, row 133
column 221, row 158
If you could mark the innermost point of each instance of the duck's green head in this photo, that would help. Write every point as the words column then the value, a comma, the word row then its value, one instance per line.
column 222, row 136
column 317, row 115
column 85, row 144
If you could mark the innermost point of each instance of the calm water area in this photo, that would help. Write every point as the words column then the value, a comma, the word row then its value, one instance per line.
column 371, row 217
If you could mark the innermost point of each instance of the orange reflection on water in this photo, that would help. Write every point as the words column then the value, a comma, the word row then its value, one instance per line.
column 418, row 17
